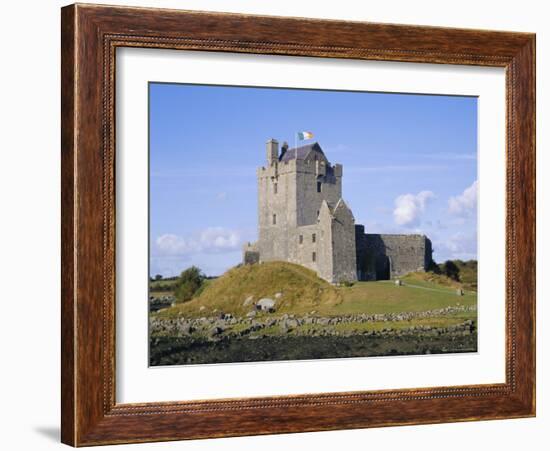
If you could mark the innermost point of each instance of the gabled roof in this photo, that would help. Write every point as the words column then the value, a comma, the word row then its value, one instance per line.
column 301, row 153
column 338, row 212
column 341, row 208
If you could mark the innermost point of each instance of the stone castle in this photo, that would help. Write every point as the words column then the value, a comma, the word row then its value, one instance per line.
column 303, row 219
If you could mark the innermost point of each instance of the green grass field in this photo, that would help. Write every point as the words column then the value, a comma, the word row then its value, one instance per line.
column 162, row 284
column 302, row 292
column 386, row 297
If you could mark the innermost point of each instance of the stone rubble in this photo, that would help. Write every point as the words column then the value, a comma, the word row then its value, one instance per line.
column 225, row 326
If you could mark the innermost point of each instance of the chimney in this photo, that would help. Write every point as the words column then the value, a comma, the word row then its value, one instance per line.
column 284, row 148
column 272, row 148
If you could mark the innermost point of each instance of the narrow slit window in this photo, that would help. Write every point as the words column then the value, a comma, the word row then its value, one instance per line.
column 319, row 187
column 301, row 239
column 313, row 256
column 274, row 219
column 313, row 238
column 275, row 188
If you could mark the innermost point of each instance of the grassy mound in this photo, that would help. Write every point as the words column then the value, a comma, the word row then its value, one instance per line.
column 300, row 289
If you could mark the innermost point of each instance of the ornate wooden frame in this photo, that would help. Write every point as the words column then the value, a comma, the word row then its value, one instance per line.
column 90, row 35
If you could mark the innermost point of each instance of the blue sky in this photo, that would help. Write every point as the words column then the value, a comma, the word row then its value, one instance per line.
column 410, row 165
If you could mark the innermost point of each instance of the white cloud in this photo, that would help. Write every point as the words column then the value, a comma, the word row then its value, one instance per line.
column 221, row 196
column 409, row 207
column 170, row 244
column 209, row 240
column 218, row 239
column 465, row 203
column 460, row 245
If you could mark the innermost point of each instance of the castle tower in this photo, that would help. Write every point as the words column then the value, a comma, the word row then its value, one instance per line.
column 303, row 219
column 276, row 208
column 293, row 188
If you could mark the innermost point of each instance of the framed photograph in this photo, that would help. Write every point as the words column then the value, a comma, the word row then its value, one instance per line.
column 279, row 225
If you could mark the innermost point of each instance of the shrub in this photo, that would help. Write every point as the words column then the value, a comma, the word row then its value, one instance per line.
column 434, row 267
column 451, row 270
column 189, row 283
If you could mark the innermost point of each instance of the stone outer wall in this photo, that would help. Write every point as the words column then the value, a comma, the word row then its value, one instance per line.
column 308, row 200
column 383, row 256
column 343, row 239
column 274, row 239
column 407, row 253
column 302, row 253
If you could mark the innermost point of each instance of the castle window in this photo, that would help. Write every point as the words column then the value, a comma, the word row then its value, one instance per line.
column 275, row 188
column 313, row 256
column 318, row 187
column 313, row 238
column 301, row 239
column 274, row 219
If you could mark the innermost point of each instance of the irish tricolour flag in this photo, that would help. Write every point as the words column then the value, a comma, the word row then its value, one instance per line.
column 304, row 135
